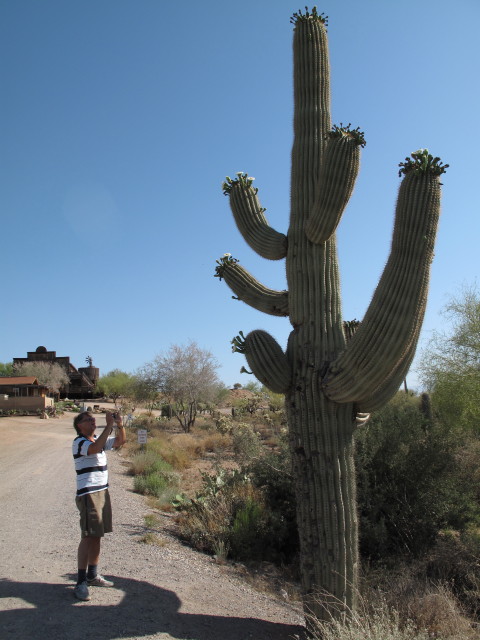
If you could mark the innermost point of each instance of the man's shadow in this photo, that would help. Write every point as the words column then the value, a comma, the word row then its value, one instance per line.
column 51, row 611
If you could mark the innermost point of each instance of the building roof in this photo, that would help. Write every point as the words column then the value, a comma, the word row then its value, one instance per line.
column 18, row 380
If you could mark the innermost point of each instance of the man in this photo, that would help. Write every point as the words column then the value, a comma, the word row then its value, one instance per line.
column 93, row 500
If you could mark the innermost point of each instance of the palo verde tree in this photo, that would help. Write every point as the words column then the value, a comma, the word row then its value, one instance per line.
column 450, row 363
column 114, row 384
column 332, row 373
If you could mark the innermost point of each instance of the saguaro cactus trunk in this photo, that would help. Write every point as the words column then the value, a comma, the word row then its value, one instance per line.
column 332, row 372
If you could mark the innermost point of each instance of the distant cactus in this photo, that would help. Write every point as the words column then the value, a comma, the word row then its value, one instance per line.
column 426, row 406
column 332, row 373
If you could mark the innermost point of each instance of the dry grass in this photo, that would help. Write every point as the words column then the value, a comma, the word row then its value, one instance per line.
column 266, row 577
column 428, row 606
column 152, row 521
column 154, row 539
column 439, row 613
column 181, row 450
column 216, row 443
column 425, row 612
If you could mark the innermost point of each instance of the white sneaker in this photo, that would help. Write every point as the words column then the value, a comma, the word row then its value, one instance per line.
column 99, row 581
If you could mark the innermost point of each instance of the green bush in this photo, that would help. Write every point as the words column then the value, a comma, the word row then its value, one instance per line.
column 154, row 476
column 247, row 531
column 412, row 482
column 153, row 484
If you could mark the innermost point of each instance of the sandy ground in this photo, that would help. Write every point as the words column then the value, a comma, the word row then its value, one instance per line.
column 161, row 592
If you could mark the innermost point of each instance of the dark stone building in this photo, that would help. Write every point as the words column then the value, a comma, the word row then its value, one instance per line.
column 82, row 381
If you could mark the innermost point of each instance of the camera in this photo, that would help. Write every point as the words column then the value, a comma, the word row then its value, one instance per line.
column 115, row 415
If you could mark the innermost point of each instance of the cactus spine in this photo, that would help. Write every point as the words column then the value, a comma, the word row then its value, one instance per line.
column 332, row 372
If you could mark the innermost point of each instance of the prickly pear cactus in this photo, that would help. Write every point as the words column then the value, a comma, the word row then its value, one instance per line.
column 332, row 373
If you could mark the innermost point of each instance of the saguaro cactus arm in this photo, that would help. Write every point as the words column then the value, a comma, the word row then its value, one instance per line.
column 392, row 321
column 250, row 219
column 249, row 290
column 338, row 172
column 389, row 387
column 265, row 358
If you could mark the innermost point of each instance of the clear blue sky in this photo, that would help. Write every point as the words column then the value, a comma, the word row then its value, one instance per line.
column 120, row 119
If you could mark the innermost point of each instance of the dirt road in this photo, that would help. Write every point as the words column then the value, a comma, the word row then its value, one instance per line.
column 161, row 592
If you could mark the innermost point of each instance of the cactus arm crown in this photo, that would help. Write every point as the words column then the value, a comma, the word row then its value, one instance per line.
column 338, row 172
column 313, row 16
column 396, row 311
column 250, row 219
column 267, row 360
column 420, row 163
column 249, row 290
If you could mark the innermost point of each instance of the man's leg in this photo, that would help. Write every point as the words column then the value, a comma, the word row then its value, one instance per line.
column 88, row 552
column 88, row 547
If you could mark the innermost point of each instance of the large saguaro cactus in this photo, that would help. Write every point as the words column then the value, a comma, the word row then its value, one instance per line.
column 332, row 372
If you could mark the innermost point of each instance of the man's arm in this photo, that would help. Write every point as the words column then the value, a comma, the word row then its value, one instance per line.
column 121, row 436
column 99, row 444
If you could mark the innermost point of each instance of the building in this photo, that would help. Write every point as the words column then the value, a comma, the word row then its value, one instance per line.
column 23, row 393
column 82, row 381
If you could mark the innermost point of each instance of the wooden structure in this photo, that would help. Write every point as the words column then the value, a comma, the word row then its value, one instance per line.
column 82, row 381
column 23, row 393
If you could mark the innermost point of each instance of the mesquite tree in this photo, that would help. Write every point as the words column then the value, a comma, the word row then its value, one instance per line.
column 333, row 373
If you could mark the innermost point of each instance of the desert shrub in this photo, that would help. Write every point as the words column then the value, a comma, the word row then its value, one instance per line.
column 179, row 458
column 236, row 510
column 207, row 521
column 246, row 443
column 158, row 484
column 223, row 424
column 149, row 461
column 411, row 483
column 276, row 401
column 272, row 474
column 144, row 421
column 249, row 404
column 421, row 601
column 455, row 561
column 166, row 410
column 205, row 528
column 216, row 442
column 154, row 476
column 142, row 462
column 247, row 530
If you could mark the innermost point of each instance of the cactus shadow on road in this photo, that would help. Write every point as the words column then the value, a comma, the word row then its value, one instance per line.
column 45, row 610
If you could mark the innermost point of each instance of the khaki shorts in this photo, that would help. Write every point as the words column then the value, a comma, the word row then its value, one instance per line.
column 95, row 513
